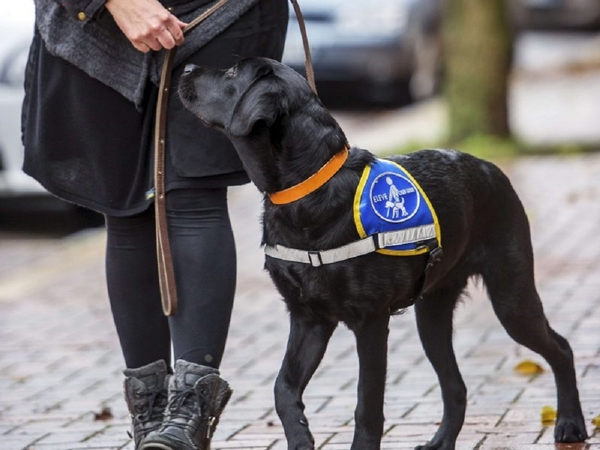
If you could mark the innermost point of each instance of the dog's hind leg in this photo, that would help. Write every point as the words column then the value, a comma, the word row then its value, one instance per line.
column 307, row 343
column 434, row 313
column 511, row 288
column 371, row 341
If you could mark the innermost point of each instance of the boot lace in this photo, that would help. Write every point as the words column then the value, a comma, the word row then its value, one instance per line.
column 148, row 418
column 193, row 402
column 184, row 403
column 156, row 404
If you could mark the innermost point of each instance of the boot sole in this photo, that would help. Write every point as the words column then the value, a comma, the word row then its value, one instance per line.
column 156, row 447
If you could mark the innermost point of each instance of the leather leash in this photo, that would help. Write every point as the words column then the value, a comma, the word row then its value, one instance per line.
column 310, row 74
column 166, row 272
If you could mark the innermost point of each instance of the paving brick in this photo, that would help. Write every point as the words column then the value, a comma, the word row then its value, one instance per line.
column 60, row 362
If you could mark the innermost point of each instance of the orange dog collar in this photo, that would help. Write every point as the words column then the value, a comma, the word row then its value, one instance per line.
column 313, row 182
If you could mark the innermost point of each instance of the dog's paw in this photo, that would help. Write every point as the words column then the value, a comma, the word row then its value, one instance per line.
column 570, row 430
column 301, row 444
column 435, row 445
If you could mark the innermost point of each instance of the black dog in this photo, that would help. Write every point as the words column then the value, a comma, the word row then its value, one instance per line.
column 284, row 136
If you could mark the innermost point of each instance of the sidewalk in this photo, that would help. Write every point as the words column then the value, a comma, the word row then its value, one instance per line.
column 60, row 365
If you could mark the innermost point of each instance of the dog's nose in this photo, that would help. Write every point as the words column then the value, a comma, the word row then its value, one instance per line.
column 189, row 68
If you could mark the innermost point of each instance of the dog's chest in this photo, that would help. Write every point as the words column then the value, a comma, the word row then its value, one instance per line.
column 352, row 290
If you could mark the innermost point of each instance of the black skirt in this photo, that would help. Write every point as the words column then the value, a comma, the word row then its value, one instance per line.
column 87, row 144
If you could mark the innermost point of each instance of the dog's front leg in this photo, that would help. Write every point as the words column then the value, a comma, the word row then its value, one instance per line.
column 307, row 343
column 371, row 340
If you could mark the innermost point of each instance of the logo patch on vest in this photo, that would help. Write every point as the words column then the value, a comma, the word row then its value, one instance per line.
column 388, row 199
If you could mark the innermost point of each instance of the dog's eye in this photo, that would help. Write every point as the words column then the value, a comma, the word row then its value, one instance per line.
column 231, row 73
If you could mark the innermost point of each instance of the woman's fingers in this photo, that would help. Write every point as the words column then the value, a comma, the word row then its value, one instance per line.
column 142, row 47
column 147, row 24
column 176, row 30
column 167, row 34
column 165, row 40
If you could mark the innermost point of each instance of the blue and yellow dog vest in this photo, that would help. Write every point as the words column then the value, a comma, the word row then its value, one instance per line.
column 393, row 216
column 389, row 199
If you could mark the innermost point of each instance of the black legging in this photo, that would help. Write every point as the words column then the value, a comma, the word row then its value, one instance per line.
column 204, row 259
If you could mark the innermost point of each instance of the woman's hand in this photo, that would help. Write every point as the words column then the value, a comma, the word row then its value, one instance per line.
column 147, row 24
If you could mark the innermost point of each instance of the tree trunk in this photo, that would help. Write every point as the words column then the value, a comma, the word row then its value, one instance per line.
column 477, row 53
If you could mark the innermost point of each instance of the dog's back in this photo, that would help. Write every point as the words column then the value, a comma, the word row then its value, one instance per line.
column 483, row 223
column 477, row 207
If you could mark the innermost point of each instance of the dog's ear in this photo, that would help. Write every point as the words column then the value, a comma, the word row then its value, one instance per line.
column 258, row 103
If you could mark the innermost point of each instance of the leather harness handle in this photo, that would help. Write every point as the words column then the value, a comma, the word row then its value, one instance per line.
column 166, row 272
column 310, row 75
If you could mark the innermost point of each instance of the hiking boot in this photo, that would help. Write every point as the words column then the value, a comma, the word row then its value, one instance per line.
column 197, row 397
column 146, row 396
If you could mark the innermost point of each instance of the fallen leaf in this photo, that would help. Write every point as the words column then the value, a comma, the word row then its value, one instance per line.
column 596, row 421
column 105, row 414
column 528, row 367
column 548, row 415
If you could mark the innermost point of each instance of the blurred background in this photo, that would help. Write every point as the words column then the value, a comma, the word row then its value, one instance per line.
column 500, row 78
column 516, row 81
column 26, row 209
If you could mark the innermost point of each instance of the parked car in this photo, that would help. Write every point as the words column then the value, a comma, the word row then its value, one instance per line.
column 555, row 14
column 382, row 49
column 20, row 194
column 16, row 30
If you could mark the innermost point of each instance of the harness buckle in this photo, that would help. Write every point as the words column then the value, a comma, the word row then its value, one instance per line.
column 378, row 241
column 315, row 259
column 435, row 253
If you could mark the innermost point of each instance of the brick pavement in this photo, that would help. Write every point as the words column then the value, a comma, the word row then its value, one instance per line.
column 60, row 365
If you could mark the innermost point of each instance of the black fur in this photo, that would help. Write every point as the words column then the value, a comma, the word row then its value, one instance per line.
column 283, row 134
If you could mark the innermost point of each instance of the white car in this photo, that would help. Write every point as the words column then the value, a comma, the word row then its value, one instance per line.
column 16, row 31
column 20, row 194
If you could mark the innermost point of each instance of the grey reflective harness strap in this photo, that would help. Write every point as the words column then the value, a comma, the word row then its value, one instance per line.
column 354, row 249
column 363, row 247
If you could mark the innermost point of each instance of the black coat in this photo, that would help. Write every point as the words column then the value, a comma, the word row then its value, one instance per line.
column 87, row 144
